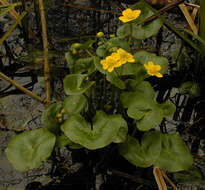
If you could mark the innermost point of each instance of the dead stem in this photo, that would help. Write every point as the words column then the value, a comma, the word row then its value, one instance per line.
column 168, row 180
column 45, row 47
column 90, row 9
column 17, row 85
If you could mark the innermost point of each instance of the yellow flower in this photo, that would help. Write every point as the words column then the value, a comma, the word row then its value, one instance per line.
column 125, row 56
column 153, row 69
column 129, row 15
column 109, row 63
column 116, row 59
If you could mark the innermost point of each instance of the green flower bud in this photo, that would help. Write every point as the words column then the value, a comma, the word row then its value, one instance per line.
column 76, row 45
column 100, row 43
column 100, row 35
column 74, row 52
column 113, row 49
column 112, row 35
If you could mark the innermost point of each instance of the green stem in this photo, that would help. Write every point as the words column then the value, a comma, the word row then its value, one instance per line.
column 13, row 26
column 130, row 36
column 88, row 52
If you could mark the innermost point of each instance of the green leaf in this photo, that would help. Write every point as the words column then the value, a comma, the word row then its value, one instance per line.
column 143, row 57
column 175, row 155
column 75, row 84
column 146, row 112
column 141, row 90
column 49, row 118
column 62, row 141
column 74, row 104
column 124, row 30
column 102, row 50
column 119, row 43
column 145, row 154
column 151, row 145
column 105, row 130
column 190, row 88
column 190, row 176
column 84, row 65
column 168, row 108
column 98, row 65
column 27, row 150
column 114, row 79
column 140, row 31
column 135, row 69
column 70, row 59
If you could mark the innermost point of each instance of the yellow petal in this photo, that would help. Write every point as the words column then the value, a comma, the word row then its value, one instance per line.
column 158, row 75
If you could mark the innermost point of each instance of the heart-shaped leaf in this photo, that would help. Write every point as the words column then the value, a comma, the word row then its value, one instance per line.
column 62, row 141
column 135, row 69
column 75, row 84
column 114, row 79
column 84, row 65
column 175, row 155
column 70, row 59
column 74, row 104
column 146, row 112
column 49, row 118
column 141, row 90
column 190, row 176
column 145, row 154
column 105, row 130
column 191, row 88
column 98, row 65
column 27, row 150
column 168, row 108
column 144, row 57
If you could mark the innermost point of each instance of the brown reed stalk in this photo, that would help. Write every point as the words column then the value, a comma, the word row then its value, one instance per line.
column 45, row 47
column 17, row 85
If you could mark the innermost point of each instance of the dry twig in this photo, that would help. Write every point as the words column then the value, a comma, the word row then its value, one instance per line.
column 45, row 47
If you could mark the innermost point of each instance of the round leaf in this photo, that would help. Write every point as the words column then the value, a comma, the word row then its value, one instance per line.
column 75, row 84
column 143, row 57
column 141, row 90
column 49, row 118
column 84, row 65
column 28, row 149
column 145, row 154
column 132, row 152
column 147, row 112
column 105, row 130
column 74, row 104
column 62, row 141
column 114, row 79
column 168, row 108
column 175, row 155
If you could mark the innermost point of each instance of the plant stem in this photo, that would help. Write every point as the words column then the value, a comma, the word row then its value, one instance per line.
column 13, row 26
column 45, row 47
column 17, row 85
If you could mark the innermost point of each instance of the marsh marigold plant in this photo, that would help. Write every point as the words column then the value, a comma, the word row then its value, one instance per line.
column 117, row 59
column 153, row 69
column 129, row 15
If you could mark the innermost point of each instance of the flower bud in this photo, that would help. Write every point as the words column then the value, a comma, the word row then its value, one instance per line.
column 100, row 35
column 76, row 45
column 100, row 43
column 112, row 35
